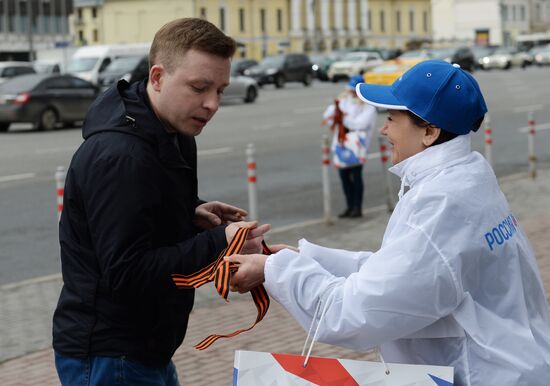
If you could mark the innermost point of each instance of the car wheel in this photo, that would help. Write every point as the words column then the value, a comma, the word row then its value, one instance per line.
column 251, row 94
column 508, row 65
column 47, row 120
column 307, row 79
column 4, row 126
column 280, row 81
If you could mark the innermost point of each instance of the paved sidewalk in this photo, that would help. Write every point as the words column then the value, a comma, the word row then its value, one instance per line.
column 26, row 357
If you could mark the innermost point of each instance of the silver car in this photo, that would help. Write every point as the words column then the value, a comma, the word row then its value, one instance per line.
column 504, row 58
column 240, row 87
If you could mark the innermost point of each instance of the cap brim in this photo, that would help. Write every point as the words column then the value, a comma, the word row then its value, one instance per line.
column 379, row 96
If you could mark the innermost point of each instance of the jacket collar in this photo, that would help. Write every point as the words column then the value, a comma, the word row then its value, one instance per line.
column 415, row 168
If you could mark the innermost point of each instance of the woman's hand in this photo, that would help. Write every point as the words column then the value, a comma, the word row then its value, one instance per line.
column 250, row 272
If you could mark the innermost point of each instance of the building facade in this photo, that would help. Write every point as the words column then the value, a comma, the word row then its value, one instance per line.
column 263, row 27
column 27, row 26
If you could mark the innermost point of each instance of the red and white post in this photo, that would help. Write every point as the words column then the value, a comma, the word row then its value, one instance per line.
column 488, row 140
column 384, row 158
column 531, row 143
column 252, row 190
column 60, row 175
column 325, row 159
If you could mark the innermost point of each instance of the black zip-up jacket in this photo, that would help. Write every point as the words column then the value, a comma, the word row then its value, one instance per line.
column 127, row 225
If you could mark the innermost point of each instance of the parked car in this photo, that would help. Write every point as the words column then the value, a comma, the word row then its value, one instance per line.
column 47, row 66
column 354, row 63
column 240, row 87
column 280, row 69
column 503, row 58
column 415, row 55
column 480, row 52
column 463, row 56
column 45, row 100
column 541, row 56
column 129, row 68
column 238, row 66
column 9, row 70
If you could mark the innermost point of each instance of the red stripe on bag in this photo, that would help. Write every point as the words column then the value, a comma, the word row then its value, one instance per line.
column 220, row 273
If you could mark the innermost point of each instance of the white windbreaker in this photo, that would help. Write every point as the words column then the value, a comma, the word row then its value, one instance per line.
column 454, row 283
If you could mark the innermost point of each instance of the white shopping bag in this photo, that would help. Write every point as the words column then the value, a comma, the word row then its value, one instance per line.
column 254, row 368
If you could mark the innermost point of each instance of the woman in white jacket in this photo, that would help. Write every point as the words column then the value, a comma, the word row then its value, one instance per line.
column 455, row 282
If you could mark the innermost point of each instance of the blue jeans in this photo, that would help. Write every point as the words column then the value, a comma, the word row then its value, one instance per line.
column 102, row 371
column 352, row 183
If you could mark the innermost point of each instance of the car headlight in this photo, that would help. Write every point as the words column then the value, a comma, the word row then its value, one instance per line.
column 271, row 71
column 485, row 60
column 246, row 72
column 315, row 67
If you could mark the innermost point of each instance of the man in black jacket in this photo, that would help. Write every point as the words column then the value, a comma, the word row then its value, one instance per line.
column 132, row 216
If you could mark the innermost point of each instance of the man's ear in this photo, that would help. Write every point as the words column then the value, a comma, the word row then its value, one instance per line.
column 431, row 135
column 156, row 76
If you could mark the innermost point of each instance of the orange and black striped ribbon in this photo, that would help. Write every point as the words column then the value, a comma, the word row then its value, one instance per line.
column 220, row 272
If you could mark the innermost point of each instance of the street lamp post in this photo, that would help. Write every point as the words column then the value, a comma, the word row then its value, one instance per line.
column 29, row 32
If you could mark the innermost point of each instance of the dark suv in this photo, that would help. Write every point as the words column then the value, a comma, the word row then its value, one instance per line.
column 460, row 55
column 280, row 69
column 129, row 68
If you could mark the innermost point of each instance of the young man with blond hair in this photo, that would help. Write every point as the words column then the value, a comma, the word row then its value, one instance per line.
column 132, row 215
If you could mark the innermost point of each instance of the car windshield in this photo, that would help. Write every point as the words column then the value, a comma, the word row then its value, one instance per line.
column 82, row 64
column 414, row 54
column 480, row 52
column 125, row 64
column 386, row 69
column 272, row 61
column 355, row 57
column 442, row 53
column 19, row 84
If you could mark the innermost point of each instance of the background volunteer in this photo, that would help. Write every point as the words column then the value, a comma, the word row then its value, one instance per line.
column 349, row 149
column 437, row 291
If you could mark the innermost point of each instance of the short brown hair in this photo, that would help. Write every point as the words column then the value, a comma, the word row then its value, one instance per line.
column 174, row 39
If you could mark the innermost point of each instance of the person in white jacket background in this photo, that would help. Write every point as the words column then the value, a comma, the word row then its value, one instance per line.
column 455, row 281
column 352, row 122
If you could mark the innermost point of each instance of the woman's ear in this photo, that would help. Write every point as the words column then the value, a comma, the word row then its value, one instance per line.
column 431, row 135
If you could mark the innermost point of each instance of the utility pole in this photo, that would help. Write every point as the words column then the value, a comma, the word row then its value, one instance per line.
column 30, row 36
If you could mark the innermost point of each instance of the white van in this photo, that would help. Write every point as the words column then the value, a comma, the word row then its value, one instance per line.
column 88, row 62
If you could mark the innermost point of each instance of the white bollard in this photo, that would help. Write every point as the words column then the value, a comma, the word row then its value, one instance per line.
column 384, row 158
column 60, row 176
column 325, row 157
column 531, row 143
column 488, row 140
column 252, row 192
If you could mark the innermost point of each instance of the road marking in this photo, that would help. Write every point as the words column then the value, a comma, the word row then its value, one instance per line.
column 17, row 177
column 220, row 150
column 524, row 109
column 541, row 127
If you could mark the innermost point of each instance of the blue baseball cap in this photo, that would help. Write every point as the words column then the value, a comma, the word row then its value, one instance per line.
column 439, row 92
column 354, row 81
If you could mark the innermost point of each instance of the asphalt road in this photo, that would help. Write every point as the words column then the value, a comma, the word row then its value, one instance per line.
column 283, row 125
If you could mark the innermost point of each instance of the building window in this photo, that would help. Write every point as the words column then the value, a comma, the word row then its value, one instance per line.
column 279, row 20
column 81, row 36
column 262, row 20
column 522, row 12
column 203, row 13
column 79, row 14
column 425, row 21
column 369, row 21
column 398, row 21
column 504, row 12
column 382, row 24
column 411, row 21
column 241, row 19
column 94, row 12
column 513, row 12
column 95, row 36
column 222, row 19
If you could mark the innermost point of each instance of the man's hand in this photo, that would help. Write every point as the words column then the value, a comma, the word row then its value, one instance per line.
column 253, row 242
column 214, row 213
column 250, row 271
